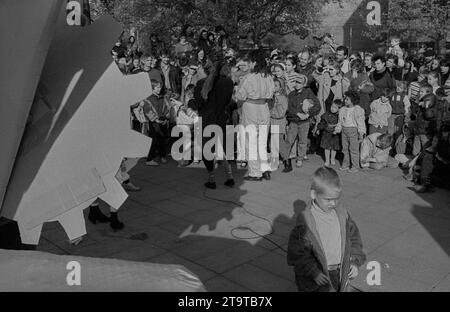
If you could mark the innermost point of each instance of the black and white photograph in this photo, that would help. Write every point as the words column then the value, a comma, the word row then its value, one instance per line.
column 225, row 151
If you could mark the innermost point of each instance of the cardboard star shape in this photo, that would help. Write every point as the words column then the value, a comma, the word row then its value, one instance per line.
column 78, row 135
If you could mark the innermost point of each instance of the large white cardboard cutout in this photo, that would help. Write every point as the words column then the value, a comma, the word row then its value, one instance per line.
column 26, row 30
column 79, row 133
column 26, row 271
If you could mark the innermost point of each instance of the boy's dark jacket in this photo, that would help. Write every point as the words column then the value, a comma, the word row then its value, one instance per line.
column 427, row 118
column 295, row 103
column 306, row 255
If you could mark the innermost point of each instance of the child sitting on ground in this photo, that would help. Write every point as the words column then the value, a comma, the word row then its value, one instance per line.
column 325, row 246
column 330, row 142
column 375, row 151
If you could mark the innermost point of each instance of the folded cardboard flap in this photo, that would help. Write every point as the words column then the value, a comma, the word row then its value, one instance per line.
column 63, row 198
column 43, row 272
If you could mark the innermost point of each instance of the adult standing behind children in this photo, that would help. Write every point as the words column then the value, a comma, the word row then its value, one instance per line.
column 381, row 77
column 332, row 87
column 172, row 75
column 306, row 68
column 325, row 247
column 255, row 91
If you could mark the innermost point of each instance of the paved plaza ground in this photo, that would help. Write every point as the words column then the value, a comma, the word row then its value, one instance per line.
column 407, row 233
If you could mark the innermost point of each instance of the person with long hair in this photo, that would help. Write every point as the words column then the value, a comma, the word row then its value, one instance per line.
column 255, row 92
column 278, row 123
column 212, row 96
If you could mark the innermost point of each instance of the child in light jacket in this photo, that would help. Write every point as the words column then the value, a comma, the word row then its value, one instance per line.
column 352, row 126
column 380, row 112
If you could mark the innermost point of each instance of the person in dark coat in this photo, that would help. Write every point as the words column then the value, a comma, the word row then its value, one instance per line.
column 213, row 96
column 330, row 142
column 381, row 78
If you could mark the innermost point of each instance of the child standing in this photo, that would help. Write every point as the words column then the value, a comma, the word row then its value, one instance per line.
column 278, row 123
column 299, row 119
column 425, row 125
column 330, row 142
column 400, row 110
column 352, row 125
column 157, row 112
column 380, row 112
column 325, row 246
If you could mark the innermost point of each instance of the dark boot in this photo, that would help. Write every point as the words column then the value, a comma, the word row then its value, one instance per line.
column 266, row 176
column 229, row 182
column 287, row 166
column 115, row 224
column 211, row 185
column 96, row 215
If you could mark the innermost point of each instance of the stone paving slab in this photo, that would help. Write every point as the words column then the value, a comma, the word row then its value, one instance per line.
column 169, row 258
column 229, row 258
column 258, row 279
column 222, row 284
column 407, row 233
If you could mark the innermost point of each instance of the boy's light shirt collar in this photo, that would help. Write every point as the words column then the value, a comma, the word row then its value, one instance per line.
column 316, row 207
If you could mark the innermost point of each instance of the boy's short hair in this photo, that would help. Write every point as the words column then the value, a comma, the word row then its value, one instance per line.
column 385, row 141
column 339, row 103
column 427, row 87
column 190, row 88
column 165, row 53
column 434, row 74
column 155, row 83
column 392, row 57
column 385, row 92
column 368, row 54
column 353, row 96
column 325, row 178
column 344, row 49
column 378, row 57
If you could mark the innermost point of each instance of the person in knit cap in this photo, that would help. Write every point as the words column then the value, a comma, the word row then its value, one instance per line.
column 299, row 119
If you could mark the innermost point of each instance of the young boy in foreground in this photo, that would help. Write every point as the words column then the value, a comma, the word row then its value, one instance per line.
column 325, row 247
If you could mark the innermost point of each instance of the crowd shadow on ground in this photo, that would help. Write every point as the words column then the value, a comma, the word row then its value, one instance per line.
column 435, row 219
column 230, row 248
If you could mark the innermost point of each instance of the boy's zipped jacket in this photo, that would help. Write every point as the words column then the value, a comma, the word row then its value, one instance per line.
column 427, row 116
column 295, row 105
column 306, row 255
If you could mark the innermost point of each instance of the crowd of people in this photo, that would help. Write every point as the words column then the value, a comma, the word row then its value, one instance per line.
column 375, row 109
column 389, row 109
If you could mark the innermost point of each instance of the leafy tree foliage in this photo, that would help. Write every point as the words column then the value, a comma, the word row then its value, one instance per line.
column 167, row 17
column 413, row 20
